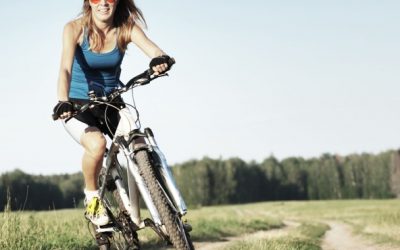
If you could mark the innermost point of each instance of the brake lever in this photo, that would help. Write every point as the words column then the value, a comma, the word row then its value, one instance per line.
column 147, row 80
column 160, row 75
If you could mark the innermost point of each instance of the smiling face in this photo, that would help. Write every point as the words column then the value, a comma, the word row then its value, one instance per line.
column 103, row 10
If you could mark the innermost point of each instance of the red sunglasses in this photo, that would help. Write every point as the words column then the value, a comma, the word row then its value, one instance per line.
column 98, row 1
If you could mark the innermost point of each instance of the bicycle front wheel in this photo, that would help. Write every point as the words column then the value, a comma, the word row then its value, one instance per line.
column 170, row 218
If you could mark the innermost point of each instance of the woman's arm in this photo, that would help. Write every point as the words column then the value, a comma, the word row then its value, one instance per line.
column 139, row 38
column 72, row 31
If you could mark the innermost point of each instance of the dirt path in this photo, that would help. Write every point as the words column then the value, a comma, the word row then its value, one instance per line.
column 257, row 235
column 340, row 237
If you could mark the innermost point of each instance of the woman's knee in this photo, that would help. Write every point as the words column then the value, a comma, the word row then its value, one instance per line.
column 94, row 143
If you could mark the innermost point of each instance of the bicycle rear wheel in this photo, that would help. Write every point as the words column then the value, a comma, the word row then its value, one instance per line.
column 169, row 215
column 124, row 234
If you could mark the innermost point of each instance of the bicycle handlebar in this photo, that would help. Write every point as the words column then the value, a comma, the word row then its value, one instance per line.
column 142, row 79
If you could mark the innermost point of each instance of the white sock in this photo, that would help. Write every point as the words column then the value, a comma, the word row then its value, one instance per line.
column 90, row 194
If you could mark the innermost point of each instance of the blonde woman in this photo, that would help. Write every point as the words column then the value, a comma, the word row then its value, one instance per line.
column 93, row 49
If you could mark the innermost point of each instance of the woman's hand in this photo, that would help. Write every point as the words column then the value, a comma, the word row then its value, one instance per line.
column 161, row 64
column 63, row 109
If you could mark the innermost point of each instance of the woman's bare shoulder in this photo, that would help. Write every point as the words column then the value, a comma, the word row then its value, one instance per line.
column 74, row 29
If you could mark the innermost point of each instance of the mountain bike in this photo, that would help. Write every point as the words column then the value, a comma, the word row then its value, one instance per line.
column 146, row 175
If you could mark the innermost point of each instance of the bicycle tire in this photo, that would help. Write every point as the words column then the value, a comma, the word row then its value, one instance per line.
column 179, row 238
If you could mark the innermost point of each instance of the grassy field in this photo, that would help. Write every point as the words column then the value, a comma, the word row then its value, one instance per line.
column 377, row 220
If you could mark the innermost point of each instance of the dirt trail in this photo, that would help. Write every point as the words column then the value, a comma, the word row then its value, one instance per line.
column 257, row 235
column 340, row 237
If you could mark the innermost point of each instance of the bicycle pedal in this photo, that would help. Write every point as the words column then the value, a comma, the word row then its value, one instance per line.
column 106, row 228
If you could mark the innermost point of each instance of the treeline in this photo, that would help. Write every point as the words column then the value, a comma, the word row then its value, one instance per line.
column 37, row 192
column 218, row 181
column 365, row 176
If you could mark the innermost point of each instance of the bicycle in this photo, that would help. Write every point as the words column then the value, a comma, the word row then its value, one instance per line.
column 147, row 173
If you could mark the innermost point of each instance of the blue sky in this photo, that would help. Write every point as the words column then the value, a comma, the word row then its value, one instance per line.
column 252, row 79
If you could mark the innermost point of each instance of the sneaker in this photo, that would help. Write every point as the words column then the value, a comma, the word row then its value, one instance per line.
column 95, row 212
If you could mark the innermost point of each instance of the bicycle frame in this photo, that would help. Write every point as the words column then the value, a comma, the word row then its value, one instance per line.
column 136, row 185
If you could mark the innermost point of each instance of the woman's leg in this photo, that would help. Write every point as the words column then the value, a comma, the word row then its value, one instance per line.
column 94, row 144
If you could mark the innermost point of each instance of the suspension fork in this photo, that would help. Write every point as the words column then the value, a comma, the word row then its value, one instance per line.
column 133, row 170
column 135, row 183
column 166, row 174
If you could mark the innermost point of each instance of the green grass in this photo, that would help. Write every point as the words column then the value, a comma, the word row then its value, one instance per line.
column 306, row 236
column 376, row 220
column 44, row 230
column 215, row 223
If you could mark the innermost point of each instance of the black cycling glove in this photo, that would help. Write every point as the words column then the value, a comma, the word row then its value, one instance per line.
column 63, row 107
column 160, row 60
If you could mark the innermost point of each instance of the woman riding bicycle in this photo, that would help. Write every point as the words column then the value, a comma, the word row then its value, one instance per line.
column 93, row 48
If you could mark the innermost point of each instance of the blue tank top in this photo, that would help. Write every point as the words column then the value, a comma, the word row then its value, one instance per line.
column 94, row 71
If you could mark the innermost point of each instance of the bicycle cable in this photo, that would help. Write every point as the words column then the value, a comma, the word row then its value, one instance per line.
column 137, row 122
column 108, row 104
column 115, row 107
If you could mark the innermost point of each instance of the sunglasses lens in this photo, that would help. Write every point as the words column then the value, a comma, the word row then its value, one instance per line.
column 98, row 1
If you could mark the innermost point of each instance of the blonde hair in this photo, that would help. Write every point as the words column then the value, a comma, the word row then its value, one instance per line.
column 125, row 17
